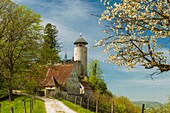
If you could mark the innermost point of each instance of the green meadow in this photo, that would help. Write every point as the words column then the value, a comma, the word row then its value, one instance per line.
column 18, row 105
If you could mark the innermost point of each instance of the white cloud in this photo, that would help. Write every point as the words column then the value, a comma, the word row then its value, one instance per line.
column 158, row 82
column 71, row 17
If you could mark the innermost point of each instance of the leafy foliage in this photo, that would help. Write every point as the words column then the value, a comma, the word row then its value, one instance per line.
column 95, row 79
column 135, row 28
column 20, row 35
column 121, row 104
column 105, row 97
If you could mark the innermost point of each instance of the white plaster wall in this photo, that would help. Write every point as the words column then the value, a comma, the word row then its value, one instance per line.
column 80, row 53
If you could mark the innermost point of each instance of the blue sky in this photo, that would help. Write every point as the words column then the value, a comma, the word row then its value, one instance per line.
column 73, row 17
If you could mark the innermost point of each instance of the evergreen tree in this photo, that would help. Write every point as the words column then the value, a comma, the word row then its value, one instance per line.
column 51, row 38
column 51, row 45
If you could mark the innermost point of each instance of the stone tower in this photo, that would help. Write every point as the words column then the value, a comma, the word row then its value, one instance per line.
column 80, row 53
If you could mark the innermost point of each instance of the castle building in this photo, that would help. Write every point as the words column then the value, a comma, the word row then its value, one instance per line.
column 67, row 75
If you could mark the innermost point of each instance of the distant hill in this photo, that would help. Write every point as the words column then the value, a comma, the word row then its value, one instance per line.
column 148, row 104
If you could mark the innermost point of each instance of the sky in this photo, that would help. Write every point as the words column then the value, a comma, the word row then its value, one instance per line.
column 73, row 17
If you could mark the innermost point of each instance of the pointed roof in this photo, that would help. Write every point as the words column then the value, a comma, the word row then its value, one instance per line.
column 57, row 75
column 80, row 40
column 50, row 82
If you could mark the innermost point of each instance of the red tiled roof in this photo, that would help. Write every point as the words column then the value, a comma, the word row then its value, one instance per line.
column 57, row 75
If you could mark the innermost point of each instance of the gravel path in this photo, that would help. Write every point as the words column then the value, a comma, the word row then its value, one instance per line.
column 55, row 106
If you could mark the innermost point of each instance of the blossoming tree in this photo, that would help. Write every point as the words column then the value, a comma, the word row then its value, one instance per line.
column 135, row 31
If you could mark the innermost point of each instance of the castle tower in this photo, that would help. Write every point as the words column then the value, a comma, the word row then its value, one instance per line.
column 80, row 53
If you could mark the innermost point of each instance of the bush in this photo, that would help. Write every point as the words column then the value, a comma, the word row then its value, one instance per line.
column 3, row 94
column 121, row 104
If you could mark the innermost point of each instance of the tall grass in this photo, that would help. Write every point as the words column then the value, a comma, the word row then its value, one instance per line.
column 74, row 107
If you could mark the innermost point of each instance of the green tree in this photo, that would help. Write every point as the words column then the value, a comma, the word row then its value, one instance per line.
column 135, row 28
column 20, row 40
column 51, row 45
column 95, row 76
column 121, row 104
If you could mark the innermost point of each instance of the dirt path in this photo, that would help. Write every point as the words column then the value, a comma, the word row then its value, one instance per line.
column 55, row 106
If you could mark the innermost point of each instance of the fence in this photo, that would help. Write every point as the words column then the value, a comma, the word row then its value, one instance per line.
column 91, row 103
column 27, row 105
column 87, row 103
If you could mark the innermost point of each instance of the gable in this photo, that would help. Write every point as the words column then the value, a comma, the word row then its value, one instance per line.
column 57, row 75
column 73, row 76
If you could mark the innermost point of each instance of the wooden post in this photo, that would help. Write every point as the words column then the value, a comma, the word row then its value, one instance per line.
column 112, row 107
column 80, row 101
column 88, row 100
column 97, row 105
column 0, row 107
column 75, row 101
column 12, row 110
column 143, row 108
column 25, row 111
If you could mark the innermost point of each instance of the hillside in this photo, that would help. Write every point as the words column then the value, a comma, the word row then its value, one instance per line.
column 148, row 104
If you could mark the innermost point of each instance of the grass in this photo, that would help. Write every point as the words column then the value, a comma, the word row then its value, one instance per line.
column 74, row 107
column 18, row 105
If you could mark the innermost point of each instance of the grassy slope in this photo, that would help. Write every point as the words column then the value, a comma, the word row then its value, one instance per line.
column 18, row 105
column 74, row 107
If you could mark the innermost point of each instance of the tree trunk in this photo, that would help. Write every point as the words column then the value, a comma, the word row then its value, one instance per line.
column 11, row 98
